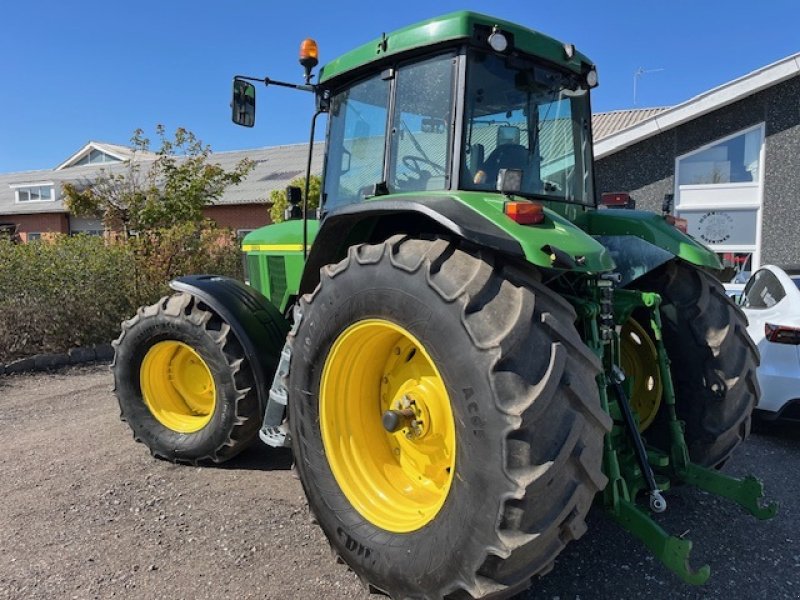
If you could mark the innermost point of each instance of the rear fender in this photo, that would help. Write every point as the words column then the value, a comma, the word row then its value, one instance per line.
column 641, row 241
column 473, row 217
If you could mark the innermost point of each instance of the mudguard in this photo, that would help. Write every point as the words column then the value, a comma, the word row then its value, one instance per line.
column 257, row 324
column 641, row 241
column 472, row 216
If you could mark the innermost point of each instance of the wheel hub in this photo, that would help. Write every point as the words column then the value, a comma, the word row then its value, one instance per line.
column 177, row 386
column 391, row 445
column 640, row 363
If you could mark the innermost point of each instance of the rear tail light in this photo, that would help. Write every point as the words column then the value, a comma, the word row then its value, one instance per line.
column 678, row 223
column 524, row 213
column 782, row 334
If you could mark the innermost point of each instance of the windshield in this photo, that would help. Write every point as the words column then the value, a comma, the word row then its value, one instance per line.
column 523, row 115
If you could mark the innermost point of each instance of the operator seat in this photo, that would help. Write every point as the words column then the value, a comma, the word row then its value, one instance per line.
column 507, row 156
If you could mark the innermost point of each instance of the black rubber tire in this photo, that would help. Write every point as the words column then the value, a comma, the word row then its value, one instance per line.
column 713, row 362
column 236, row 418
column 529, row 425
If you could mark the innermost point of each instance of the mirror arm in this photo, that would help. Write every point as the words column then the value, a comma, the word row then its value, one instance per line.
column 308, row 182
column 267, row 81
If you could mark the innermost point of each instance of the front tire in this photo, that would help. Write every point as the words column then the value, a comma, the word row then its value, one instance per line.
column 183, row 383
column 503, row 469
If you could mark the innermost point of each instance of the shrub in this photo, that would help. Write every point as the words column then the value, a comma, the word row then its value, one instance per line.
column 163, row 254
column 75, row 291
column 56, row 295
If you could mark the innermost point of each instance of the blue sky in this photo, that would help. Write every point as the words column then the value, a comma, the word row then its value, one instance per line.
column 75, row 71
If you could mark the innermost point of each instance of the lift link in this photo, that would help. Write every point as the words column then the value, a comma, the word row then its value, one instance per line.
column 626, row 476
column 657, row 502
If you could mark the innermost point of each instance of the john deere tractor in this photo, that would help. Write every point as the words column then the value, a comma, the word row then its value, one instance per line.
column 462, row 348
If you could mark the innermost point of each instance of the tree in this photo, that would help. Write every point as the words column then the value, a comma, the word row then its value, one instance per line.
column 280, row 203
column 155, row 190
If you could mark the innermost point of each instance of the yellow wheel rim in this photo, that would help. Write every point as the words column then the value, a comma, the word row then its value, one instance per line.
column 397, row 481
column 177, row 387
column 640, row 363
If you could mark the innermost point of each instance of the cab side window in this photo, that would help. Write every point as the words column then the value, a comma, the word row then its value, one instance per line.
column 421, row 132
column 356, row 143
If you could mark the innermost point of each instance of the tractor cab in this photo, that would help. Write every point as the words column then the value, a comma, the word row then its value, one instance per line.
column 465, row 102
column 468, row 118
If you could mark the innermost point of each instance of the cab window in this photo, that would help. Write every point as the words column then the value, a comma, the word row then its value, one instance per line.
column 356, row 143
column 421, row 132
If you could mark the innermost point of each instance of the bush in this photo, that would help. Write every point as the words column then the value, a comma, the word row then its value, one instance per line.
column 56, row 295
column 161, row 255
column 75, row 291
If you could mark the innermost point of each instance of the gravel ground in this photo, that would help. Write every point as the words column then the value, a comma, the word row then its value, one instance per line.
column 86, row 513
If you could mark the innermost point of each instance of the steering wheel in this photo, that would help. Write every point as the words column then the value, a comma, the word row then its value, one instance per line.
column 414, row 164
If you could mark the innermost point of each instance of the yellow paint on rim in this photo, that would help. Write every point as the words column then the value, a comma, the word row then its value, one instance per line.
column 272, row 247
column 177, row 386
column 640, row 362
column 396, row 481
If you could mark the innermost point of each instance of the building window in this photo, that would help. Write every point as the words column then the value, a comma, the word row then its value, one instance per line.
column 33, row 235
column 95, row 157
column 240, row 233
column 719, row 190
column 35, row 193
column 733, row 160
column 737, row 266
column 90, row 232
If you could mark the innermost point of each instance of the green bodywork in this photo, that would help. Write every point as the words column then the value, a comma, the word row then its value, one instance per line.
column 275, row 259
column 556, row 230
column 651, row 228
column 574, row 234
column 448, row 28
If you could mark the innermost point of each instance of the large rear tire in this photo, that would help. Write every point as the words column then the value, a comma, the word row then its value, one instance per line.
column 183, row 383
column 499, row 459
column 713, row 362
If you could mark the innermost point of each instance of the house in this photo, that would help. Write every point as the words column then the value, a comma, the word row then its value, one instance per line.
column 730, row 158
column 32, row 200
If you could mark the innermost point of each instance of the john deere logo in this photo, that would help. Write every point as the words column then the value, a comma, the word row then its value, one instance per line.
column 715, row 227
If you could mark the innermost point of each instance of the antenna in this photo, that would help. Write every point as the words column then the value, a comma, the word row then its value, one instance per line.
column 638, row 73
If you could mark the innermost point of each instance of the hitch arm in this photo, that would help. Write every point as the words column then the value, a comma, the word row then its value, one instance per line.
column 746, row 492
column 672, row 551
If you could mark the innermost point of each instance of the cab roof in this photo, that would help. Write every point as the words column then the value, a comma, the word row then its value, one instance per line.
column 445, row 29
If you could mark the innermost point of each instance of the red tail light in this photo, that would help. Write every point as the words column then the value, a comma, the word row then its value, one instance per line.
column 524, row 213
column 678, row 223
column 782, row 334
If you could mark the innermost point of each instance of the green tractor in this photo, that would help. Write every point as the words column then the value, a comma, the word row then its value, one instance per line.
column 463, row 350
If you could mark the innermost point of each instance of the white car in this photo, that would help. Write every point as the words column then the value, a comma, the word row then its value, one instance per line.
column 771, row 301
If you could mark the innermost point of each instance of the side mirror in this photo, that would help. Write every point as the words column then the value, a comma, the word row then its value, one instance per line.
column 244, row 103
